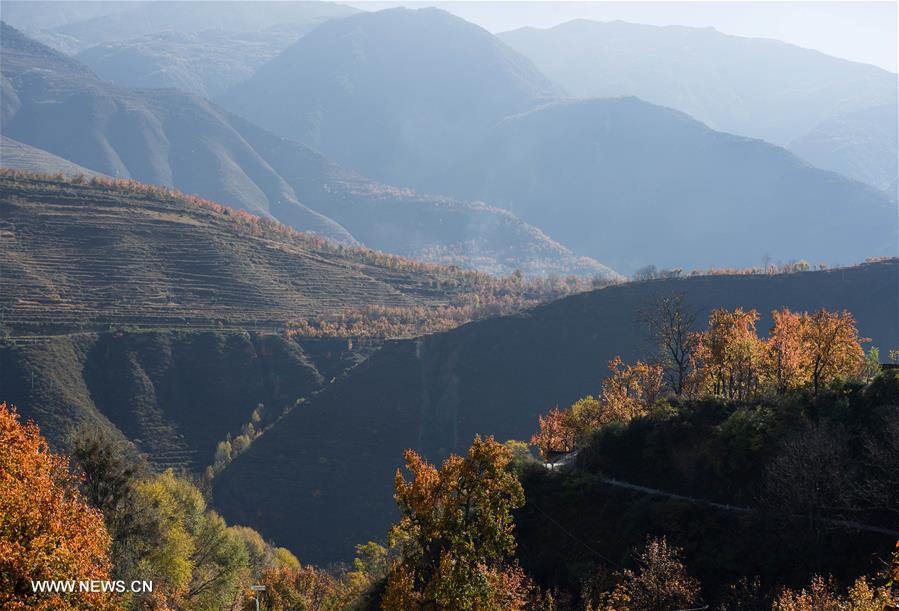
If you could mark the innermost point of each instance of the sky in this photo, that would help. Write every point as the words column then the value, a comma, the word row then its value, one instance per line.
column 859, row 31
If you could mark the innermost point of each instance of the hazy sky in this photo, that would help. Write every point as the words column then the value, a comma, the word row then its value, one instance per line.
column 860, row 31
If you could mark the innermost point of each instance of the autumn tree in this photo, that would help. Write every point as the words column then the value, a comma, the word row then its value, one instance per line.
column 660, row 583
column 305, row 588
column 556, row 435
column 730, row 354
column 629, row 390
column 456, row 533
column 47, row 530
column 834, row 347
column 195, row 560
column 626, row 394
column 670, row 322
column 822, row 595
column 787, row 364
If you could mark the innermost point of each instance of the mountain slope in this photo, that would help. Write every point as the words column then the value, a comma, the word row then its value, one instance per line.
column 861, row 144
column 755, row 87
column 175, row 394
column 205, row 63
column 175, row 139
column 394, row 94
column 20, row 156
column 332, row 460
column 634, row 184
column 166, row 137
column 88, row 255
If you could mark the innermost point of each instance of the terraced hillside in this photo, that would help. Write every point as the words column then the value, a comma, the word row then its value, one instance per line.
column 93, row 255
column 332, row 462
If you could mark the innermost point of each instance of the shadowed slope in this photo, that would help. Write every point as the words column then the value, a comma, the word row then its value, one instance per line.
column 321, row 481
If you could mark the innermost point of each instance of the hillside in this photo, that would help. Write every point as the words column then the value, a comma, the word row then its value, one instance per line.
column 175, row 394
column 88, row 255
column 332, row 460
column 393, row 94
column 771, row 489
column 19, row 156
column 861, row 144
column 174, row 139
column 750, row 86
column 150, row 314
column 205, row 63
column 688, row 196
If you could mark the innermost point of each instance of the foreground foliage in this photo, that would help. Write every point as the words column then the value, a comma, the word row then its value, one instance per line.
column 456, row 533
column 803, row 352
column 47, row 530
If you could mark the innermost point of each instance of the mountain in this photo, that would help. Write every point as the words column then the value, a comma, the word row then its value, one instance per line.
column 750, row 86
column 19, row 156
column 73, row 26
column 205, row 63
column 162, row 318
column 320, row 481
column 635, row 184
column 861, row 144
column 395, row 94
column 49, row 14
column 618, row 180
column 179, row 140
column 84, row 255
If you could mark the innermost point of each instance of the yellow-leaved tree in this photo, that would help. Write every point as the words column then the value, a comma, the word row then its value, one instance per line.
column 455, row 535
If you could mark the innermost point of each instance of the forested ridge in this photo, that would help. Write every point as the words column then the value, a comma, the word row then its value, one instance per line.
column 724, row 470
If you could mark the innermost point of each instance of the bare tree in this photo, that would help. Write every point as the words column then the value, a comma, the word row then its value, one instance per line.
column 670, row 322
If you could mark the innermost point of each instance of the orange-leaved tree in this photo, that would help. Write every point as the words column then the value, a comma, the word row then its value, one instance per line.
column 556, row 434
column 629, row 390
column 730, row 354
column 787, row 360
column 834, row 347
column 456, row 533
column 47, row 531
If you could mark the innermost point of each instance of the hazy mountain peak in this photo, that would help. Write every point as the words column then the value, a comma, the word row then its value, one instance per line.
column 391, row 90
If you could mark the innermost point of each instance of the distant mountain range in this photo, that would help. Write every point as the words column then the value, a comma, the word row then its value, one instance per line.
column 423, row 99
column 205, row 63
column 751, row 86
column 619, row 180
column 175, row 139
column 861, row 144
column 635, row 184
column 397, row 95
column 332, row 461
column 75, row 25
